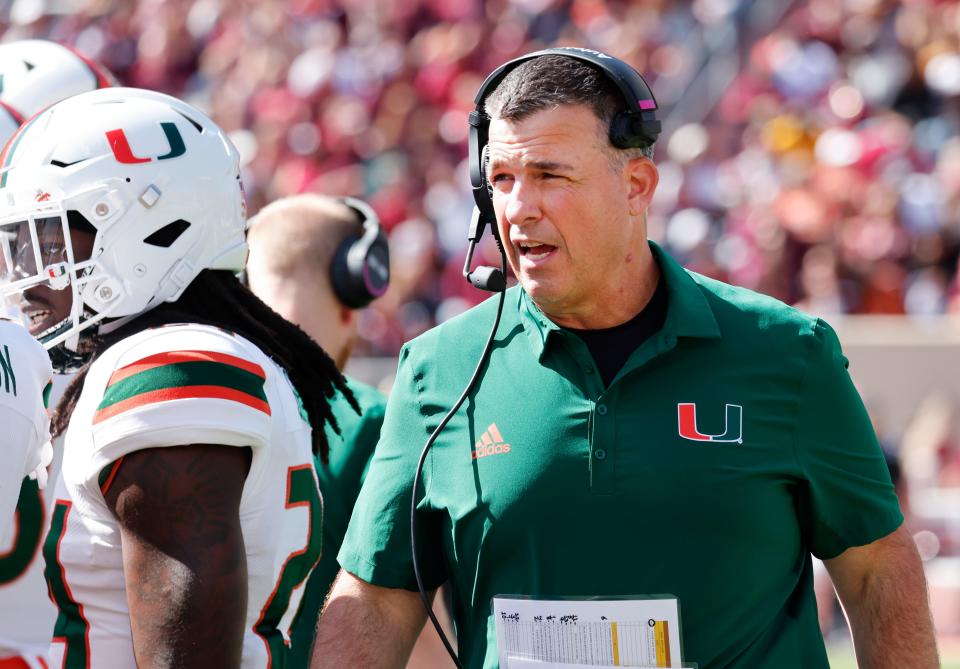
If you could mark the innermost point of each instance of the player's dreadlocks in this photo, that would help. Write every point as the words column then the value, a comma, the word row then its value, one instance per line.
column 217, row 298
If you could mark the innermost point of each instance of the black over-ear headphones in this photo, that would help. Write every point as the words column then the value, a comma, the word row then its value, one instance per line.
column 636, row 127
column 360, row 271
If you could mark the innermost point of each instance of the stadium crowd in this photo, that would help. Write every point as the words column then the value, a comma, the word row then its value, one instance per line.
column 811, row 149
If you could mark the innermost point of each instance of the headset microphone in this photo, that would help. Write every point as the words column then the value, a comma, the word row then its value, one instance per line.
column 485, row 278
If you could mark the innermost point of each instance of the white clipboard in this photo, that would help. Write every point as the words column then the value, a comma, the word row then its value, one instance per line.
column 572, row 633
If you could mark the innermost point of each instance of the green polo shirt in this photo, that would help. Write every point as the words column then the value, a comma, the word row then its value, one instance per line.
column 340, row 480
column 730, row 447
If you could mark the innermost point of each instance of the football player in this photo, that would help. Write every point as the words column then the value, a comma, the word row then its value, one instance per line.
column 25, row 375
column 187, row 516
column 33, row 75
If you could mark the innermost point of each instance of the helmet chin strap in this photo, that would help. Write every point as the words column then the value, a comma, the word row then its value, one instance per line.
column 63, row 340
column 68, row 331
column 65, row 361
column 63, row 357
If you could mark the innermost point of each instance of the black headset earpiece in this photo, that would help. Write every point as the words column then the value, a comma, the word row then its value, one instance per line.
column 636, row 127
column 360, row 271
column 630, row 130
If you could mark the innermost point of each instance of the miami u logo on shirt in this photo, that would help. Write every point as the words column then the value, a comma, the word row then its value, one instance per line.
column 687, row 424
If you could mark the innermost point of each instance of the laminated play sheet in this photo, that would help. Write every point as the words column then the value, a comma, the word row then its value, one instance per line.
column 575, row 633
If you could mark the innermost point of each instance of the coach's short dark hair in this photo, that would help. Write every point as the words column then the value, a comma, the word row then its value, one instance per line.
column 549, row 81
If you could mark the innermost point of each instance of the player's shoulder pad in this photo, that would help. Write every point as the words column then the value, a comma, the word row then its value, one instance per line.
column 179, row 337
column 197, row 372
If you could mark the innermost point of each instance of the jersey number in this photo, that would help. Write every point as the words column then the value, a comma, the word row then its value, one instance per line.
column 302, row 491
column 71, row 627
column 29, row 525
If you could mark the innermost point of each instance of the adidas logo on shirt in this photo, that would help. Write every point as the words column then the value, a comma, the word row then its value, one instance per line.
column 490, row 443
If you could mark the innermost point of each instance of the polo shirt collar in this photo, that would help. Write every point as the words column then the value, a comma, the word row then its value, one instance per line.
column 688, row 311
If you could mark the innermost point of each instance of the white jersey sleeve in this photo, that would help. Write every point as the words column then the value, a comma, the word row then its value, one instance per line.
column 25, row 375
column 172, row 386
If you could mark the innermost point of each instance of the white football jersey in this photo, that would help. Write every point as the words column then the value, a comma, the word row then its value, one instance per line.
column 25, row 374
column 25, row 611
column 173, row 386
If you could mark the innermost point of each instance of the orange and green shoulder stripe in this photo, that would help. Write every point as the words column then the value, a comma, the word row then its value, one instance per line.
column 177, row 375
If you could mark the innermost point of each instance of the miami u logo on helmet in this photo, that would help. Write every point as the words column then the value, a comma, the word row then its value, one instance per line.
column 124, row 154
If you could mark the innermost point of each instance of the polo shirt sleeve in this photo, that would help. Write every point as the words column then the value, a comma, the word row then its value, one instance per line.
column 376, row 547
column 849, row 500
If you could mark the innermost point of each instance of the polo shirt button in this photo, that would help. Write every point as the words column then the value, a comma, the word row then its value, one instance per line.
column 588, row 370
column 600, row 454
column 602, row 409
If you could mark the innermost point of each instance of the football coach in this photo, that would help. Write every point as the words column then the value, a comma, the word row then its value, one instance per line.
column 635, row 428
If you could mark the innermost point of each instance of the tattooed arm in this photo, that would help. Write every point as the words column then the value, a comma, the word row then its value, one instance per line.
column 183, row 554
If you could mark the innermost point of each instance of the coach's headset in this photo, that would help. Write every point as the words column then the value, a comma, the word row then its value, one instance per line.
column 360, row 271
column 635, row 127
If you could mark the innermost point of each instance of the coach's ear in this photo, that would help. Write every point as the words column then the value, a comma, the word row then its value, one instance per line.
column 640, row 178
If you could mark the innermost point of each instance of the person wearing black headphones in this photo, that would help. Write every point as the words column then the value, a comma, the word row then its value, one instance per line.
column 317, row 260
column 632, row 429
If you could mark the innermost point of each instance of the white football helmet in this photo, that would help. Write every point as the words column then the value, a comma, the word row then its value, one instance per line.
column 36, row 73
column 10, row 120
column 155, row 178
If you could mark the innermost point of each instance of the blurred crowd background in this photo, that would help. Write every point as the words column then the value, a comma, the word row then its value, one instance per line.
column 811, row 149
